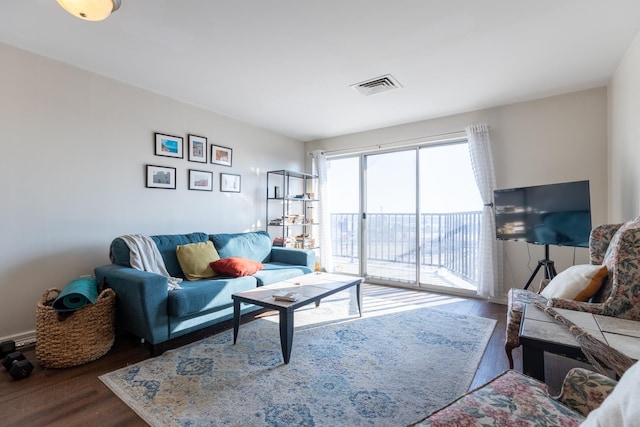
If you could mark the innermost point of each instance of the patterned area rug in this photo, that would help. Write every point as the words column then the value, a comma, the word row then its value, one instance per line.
column 388, row 368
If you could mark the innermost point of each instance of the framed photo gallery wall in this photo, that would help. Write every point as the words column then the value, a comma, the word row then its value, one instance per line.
column 198, row 151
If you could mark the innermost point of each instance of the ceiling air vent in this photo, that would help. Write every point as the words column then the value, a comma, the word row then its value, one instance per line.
column 377, row 85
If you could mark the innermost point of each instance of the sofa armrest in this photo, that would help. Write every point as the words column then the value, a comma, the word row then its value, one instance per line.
column 141, row 300
column 584, row 390
column 293, row 256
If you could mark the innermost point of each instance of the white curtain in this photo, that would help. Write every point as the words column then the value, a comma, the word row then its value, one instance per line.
column 490, row 259
column 324, row 217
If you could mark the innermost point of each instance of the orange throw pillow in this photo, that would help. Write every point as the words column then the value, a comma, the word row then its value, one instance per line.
column 236, row 266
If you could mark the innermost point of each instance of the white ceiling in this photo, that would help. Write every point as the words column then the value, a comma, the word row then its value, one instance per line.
column 286, row 65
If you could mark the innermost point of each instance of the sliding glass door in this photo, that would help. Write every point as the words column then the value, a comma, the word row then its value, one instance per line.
column 409, row 216
column 450, row 210
column 344, row 191
column 390, row 215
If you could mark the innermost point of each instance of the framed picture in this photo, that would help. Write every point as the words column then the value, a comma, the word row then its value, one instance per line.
column 161, row 177
column 200, row 180
column 197, row 146
column 169, row 145
column 229, row 183
column 221, row 155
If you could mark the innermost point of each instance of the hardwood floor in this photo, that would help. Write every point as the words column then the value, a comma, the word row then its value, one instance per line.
column 76, row 397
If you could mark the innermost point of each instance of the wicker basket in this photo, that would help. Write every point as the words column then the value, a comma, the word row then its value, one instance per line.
column 84, row 336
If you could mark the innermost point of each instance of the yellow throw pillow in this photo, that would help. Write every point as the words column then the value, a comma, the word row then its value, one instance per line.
column 578, row 283
column 194, row 259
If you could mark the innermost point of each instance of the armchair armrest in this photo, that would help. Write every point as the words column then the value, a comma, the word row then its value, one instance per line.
column 293, row 256
column 543, row 284
column 589, row 307
column 141, row 301
column 584, row 390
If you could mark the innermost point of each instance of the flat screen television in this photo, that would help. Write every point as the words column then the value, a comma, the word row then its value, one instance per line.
column 554, row 214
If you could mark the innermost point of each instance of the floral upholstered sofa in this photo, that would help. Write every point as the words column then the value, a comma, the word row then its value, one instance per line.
column 512, row 399
column 616, row 246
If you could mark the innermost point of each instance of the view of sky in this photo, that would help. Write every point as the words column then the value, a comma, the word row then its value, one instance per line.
column 446, row 182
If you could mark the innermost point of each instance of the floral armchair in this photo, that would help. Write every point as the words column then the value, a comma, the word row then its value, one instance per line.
column 615, row 245
column 514, row 399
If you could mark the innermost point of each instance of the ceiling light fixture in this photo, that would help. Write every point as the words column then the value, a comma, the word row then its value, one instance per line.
column 90, row 10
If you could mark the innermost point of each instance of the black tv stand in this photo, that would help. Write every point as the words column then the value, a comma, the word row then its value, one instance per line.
column 549, row 268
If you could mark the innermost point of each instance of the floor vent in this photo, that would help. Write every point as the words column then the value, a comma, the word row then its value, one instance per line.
column 377, row 85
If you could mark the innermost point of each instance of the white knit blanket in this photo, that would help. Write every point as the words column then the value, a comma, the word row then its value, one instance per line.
column 145, row 256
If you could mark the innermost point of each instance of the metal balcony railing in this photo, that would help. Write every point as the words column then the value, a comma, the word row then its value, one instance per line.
column 449, row 240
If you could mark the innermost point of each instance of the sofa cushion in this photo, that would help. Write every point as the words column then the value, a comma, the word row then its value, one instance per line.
column 206, row 294
column 255, row 245
column 275, row 272
column 119, row 253
column 166, row 244
column 578, row 283
column 293, row 256
column 195, row 259
column 236, row 266
column 511, row 399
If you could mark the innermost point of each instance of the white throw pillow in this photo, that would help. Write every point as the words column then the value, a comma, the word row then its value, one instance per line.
column 578, row 283
column 621, row 408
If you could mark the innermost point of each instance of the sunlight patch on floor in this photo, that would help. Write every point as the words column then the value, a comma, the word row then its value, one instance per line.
column 404, row 273
column 379, row 300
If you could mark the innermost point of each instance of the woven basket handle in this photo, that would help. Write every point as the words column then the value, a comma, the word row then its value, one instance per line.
column 48, row 298
column 106, row 293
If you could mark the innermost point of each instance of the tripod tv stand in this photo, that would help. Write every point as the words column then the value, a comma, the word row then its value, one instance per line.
column 549, row 268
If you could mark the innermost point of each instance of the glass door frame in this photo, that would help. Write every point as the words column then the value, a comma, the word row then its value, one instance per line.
column 364, row 220
column 362, row 238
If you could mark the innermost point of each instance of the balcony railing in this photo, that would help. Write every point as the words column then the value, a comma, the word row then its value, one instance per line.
column 449, row 240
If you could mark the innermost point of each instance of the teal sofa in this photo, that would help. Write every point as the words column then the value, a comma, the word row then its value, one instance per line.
column 147, row 309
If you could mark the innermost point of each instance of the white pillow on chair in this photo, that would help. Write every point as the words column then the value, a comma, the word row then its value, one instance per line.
column 578, row 283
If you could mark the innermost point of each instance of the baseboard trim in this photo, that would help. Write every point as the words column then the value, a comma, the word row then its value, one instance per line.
column 26, row 339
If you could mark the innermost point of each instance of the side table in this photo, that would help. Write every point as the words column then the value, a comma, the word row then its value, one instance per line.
column 539, row 333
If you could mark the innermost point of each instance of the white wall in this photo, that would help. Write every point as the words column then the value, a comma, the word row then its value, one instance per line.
column 624, row 137
column 556, row 139
column 74, row 149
